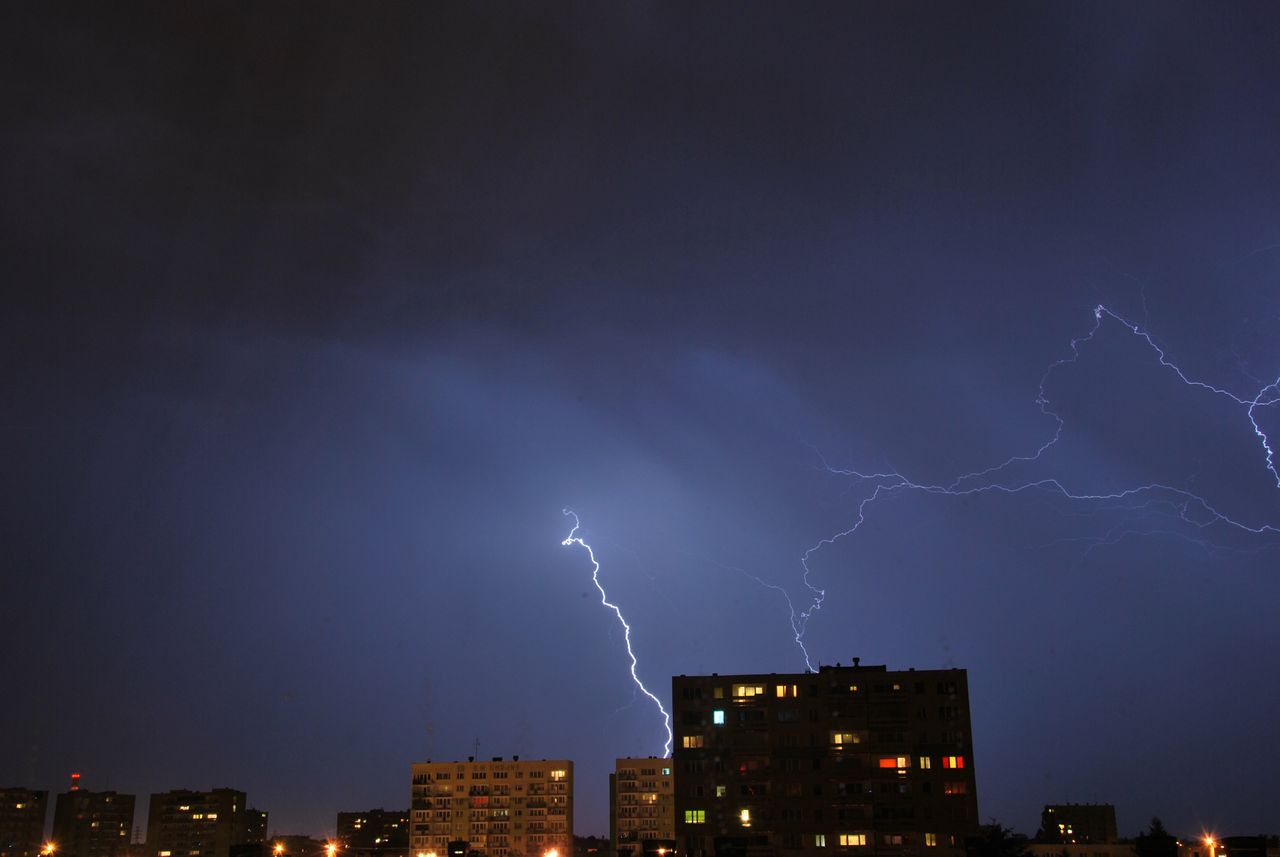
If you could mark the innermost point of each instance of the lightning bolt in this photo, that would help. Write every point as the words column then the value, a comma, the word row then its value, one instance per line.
column 1187, row 506
column 573, row 539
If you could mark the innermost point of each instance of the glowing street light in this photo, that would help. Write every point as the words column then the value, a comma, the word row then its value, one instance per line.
column 278, row 849
column 1211, row 844
column 330, row 849
column 49, row 848
column 551, row 852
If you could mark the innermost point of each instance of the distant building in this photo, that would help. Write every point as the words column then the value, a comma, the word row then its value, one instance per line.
column 1078, row 823
column 1248, row 846
column 641, row 804
column 591, row 846
column 22, row 815
column 851, row 759
column 374, row 833
column 92, row 824
column 185, row 823
column 499, row 808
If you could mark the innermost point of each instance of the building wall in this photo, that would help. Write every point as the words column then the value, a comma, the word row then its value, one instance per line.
column 642, row 805
column 850, row 760
column 186, row 823
column 22, row 815
column 503, row 808
column 93, row 824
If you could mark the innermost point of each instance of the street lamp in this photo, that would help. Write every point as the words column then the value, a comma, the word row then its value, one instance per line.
column 278, row 849
column 49, row 848
column 330, row 849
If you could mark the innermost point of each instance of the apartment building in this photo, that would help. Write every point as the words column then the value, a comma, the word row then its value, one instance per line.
column 501, row 808
column 855, row 760
column 641, row 804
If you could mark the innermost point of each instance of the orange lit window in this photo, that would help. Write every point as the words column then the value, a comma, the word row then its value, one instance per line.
column 895, row 762
column 785, row 691
column 691, row 742
column 953, row 761
column 955, row 788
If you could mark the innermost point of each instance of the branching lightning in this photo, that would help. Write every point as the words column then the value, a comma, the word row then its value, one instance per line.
column 1185, row 505
column 573, row 539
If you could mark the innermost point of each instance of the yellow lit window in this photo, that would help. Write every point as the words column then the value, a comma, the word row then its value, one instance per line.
column 925, row 763
column 783, row 691
column 695, row 816
column 717, row 693
column 840, row 739
column 953, row 761
column 691, row 742
column 848, row 840
column 930, row 839
column 720, row 790
column 558, row 775
column 211, row 816
column 745, row 817
column 747, row 691
column 820, row 840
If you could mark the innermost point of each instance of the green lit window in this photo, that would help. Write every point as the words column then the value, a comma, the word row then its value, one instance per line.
column 695, row 816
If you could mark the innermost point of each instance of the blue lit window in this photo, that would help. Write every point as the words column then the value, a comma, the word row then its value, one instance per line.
column 717, row 717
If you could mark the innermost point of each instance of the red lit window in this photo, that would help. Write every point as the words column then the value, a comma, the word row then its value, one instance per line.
column 953, row 761
column 894, row 762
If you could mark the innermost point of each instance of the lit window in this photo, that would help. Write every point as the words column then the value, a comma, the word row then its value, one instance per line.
column 720, row 790
column 745, row 817
column 953, row 761
column 820, row 840
column 853, row 688
column 666, row 772
column 691, row 742
column 930, row 839
column 717, row 717
column 747, row 691
column 717, row 692
column 211, row 816
column 784, row 691
column 954, row 789
column 695, row 816
column 166, row 854
column 558, row 775
column 925, row 763
column 840, row 739
column 848, row 840
column 895, row 762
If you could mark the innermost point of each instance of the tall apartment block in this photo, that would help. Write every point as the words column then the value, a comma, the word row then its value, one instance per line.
column 92, row 824
column 641, row 805
column 22, row 814
column 186, row 823
column 852, row 760
column 500, row 808
column 374, row 833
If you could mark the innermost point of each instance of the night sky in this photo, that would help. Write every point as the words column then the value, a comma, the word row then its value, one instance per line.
column 317, row 316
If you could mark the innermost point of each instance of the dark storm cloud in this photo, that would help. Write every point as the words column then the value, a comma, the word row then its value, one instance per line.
column 318, row 315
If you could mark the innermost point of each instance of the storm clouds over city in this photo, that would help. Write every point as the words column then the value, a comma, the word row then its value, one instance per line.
column 318, row 315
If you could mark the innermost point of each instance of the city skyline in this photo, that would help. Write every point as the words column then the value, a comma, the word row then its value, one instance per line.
column 930, row 334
